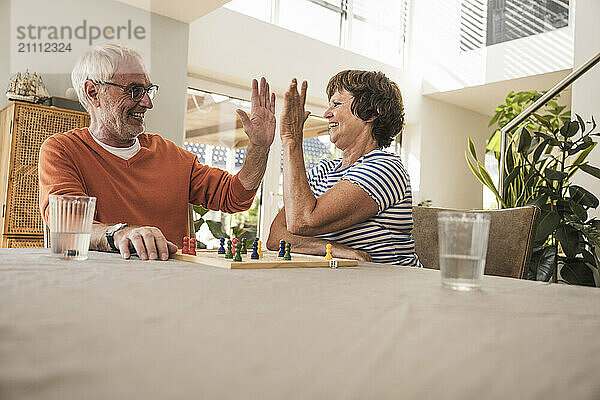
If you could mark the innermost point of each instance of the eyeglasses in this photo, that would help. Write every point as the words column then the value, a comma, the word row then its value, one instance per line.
column 137, row 92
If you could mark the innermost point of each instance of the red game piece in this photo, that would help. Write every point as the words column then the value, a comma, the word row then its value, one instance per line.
column 192, row 250
column 234, row 241
column 185, row 248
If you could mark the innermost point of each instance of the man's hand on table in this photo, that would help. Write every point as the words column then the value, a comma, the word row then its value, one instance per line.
column 148, row 242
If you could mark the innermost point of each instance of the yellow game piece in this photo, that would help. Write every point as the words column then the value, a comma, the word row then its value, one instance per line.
column 260, row 255
column 328, row 255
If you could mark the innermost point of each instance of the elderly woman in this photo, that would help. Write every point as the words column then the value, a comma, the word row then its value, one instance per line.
column 362, row 202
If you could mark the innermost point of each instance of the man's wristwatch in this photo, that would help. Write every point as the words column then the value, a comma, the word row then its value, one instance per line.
column 111, row 232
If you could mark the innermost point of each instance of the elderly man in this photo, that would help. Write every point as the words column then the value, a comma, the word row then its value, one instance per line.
column 143, row 183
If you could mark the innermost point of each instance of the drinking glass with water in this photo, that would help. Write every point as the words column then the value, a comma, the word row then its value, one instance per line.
column 463, row 239
column 70, row 222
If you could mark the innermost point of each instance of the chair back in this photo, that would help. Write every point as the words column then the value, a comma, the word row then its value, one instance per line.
column 512, row 232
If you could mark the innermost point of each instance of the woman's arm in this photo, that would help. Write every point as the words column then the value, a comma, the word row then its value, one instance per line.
column 344, row 205
column 307, row 244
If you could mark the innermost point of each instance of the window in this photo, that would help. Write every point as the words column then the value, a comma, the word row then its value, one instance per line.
column 379, row 29
column 311, row 19
column 514, row 19
column 215, row 134
column 374, row 28
column 487, row 22
column 259, row 9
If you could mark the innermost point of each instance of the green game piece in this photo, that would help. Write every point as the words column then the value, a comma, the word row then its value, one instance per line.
column 238, row 255
column 244, row 249
column 228, row 253
column 287, row 256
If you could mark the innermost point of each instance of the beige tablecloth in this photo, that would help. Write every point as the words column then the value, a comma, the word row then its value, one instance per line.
column 113, row 329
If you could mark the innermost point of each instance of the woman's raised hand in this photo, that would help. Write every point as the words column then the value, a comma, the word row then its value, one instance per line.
column 294, row 115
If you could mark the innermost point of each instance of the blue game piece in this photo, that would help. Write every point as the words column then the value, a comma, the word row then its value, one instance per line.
column 222, row 247
column 254, row 255
column 281, row 248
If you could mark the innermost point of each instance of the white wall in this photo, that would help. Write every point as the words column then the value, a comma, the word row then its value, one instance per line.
column 445, row 177
column 4, row 50
column 165, row 50
column 585, row 97
column 169, row 47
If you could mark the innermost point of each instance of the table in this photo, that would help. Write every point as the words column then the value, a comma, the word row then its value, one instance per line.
column 108, row 328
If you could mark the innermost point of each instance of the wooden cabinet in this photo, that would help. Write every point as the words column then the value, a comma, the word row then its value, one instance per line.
column 23, row 129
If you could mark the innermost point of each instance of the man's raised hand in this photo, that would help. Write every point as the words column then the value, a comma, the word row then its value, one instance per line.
column 260, row 125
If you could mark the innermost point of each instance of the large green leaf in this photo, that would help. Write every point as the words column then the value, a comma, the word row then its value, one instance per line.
column 577, row 272
column 548, row 223
column 554, row 175
column 216, row 229
column 587, row 142
column 553, row 142
column 543, row 263
column 494, row 118
column 581, row 157
column 542, row 135
column 569, row 129
column 489, row 182
column 583, row 197
column 472, row 149
column 197, row 224
column 589, row 231
column 524, row 141
column 579, row 211
column 589, row 258
column 581, row 123
column 511, row 177
column 590, row 169
column 200, row 210
column 544, row 121
column 473, row 169
column 579, row 160
column 568, row 238
column 494, row 142
column 540, row 201
column 509, row 159
column 563, row 206
column 534, row 145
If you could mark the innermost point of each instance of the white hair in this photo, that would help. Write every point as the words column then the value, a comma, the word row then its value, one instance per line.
column 99, row 64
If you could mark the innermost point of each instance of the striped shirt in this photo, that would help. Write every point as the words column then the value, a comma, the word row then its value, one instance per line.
column 387, row 236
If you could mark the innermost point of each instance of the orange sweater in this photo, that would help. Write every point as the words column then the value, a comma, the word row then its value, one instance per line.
column 152, row 188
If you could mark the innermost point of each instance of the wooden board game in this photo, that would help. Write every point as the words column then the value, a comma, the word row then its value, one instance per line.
column 269, row 260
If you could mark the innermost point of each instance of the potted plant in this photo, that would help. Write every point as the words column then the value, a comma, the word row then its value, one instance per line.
column 542, row 156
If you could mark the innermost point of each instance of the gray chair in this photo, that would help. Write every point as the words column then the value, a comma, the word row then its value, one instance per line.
column 512, row 232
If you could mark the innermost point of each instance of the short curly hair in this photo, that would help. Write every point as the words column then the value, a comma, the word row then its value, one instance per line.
column 375, row 95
